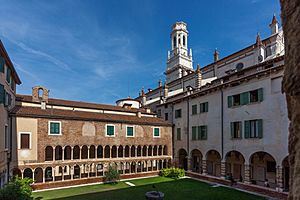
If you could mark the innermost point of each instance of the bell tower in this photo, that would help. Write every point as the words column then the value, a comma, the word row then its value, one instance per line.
column 180, row 60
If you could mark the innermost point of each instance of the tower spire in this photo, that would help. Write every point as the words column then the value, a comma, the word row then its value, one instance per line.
column 274, row 25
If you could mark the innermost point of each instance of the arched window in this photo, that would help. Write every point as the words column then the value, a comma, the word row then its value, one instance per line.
column 183, row 41
column 84, row 152
column 40, row 92
column 58, row 153
column 67, row 153
column 174, row 42
column 48, row 153
column 76, row 152
column 92, row 151
column 100, row 152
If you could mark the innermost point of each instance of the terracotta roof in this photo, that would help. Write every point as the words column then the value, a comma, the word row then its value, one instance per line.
column 80, row 104
column 9, row 63
column 24, row 111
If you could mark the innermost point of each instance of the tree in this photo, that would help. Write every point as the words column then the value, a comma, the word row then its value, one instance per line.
column 17, row 189
column 112, row 175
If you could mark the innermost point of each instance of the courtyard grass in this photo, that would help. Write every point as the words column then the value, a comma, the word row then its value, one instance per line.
column 174, row 189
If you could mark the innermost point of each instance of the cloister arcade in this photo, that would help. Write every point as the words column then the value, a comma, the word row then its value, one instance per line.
column 260, row 167
column 92, row 161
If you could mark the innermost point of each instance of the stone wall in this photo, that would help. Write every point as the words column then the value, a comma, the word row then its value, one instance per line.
column 291, row 86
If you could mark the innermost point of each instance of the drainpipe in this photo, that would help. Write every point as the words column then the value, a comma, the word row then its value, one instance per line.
column 222, row 125
column 173, row 132
column 10, row 147
column 188, row 131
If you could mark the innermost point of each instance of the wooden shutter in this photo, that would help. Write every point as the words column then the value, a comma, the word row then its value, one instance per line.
column 229, row 101
column 204, row 132
column 260, row 128
column 2, row 63
column 244, row 98
column 110, row 130
column 260, row 94
column 232, row 129
column 247, row 129
column 194, row 132
column 241, row 130
column 25, row 141
column 2, row 94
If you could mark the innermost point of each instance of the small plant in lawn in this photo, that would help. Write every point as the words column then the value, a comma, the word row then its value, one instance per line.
column 112, row 175
column 17, row 189
column 172, row 172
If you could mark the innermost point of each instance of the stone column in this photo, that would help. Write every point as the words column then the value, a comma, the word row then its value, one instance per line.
column 190, row 163
column 72, row 172
column 204, row 167
column 62, row 174
column 247, row 174
column 117, row 156
column 88, row 152
column 223, row 169
column 63, row 154
column 72, row 153
column 279, row 179
column 43, row 175
column 80, row 152
column 53, row 154
column 53, row 174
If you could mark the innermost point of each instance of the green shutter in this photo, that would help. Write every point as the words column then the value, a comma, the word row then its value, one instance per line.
column 247, row 129
column 110, row 130
column 56, row 128
column 194, row 109
column 241, row 130
column 2, row 63
column 156, row 132
column 260, row 95
column 178, row 134
column 244, row 98
column 229, row 101
column 260, row 128
column 2, row 94
column 129, row 131
column 204, row 132
column 8, row 75
column 194, row 132
column 232, row 129
column 51, row 127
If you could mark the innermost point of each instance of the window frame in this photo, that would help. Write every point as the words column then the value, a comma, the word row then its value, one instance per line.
column 19, row 140
column 233, row 128
column 106, row 135
column 179, row 111
column 203, row 107
column 133, row 131
column 194, row 109
column 154, row 132
column 178, row 134
column 49, row 127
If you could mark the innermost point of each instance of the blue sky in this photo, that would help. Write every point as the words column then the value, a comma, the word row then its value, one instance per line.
column 101, row 51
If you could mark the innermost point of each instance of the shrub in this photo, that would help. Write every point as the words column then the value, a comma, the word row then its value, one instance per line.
column 172, row 172
column 17, row 189
column 112, row 175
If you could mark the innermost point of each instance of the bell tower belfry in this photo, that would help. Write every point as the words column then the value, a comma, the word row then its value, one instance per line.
column 180, row 60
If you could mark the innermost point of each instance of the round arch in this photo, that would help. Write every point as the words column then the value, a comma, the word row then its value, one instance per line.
column 213, row 163
column 183, row 158
column 196, row 157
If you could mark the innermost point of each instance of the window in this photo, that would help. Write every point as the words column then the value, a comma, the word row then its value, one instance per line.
column 203, row 107
column 8, row 74
column 130, row 131
column 236, row 129
column 2, row 63
column 194, row 109
column 178, row 113
column 174, row 41
column 166, row 116
column 254, row 128
column 159, row 113
column 183, row 41
column 6, row 137
column 54, row 128
column 110, row 130
column 199, row 132
column 178, row 132
column 25, row 141
column 2, row 94
column 156, row 132
column 245, row 98
column 7, row 101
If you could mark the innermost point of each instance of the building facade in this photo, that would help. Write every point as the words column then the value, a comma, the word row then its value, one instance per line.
column 8, row 81
column 229, row 117
column 63, row 142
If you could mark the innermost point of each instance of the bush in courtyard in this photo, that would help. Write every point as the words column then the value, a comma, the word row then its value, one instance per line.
column 17, row 189
column 172, row 172
column 112, row 175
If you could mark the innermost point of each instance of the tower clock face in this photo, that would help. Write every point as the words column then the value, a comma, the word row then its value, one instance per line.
column 260, row 58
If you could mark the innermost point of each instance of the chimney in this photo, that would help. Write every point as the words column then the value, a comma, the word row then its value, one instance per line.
column 198, row 78
column 216, row 55
column 144, row 99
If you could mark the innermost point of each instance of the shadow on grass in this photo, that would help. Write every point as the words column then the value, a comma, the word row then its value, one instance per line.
column 175, row 190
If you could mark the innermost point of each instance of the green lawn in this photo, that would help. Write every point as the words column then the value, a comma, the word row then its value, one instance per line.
column 173, row 189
